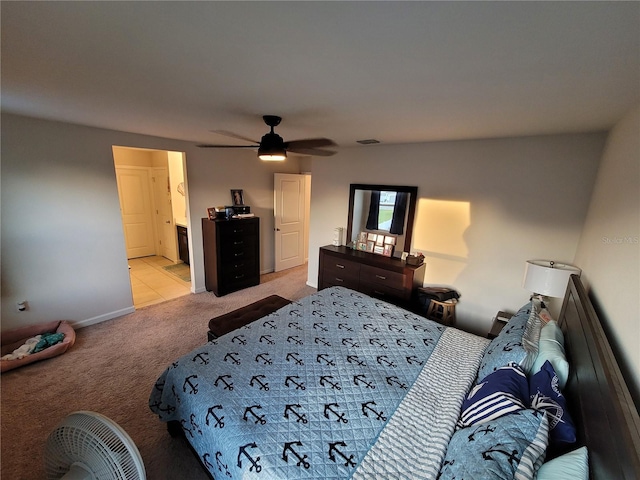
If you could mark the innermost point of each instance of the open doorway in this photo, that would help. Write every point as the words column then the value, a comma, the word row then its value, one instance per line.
column 153, row 206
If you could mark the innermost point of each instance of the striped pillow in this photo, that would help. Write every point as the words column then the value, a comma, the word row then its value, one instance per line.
column 504, row 391
column 531, row 335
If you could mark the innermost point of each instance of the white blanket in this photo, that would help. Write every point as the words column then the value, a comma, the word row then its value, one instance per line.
column 414, row 442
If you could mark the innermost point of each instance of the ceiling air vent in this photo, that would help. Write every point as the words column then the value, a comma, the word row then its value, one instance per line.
column 368, row 141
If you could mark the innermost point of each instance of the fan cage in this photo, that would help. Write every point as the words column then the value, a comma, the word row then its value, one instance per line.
column 95, row 442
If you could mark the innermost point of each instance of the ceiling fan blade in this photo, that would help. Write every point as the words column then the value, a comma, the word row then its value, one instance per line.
column 311, row 151
column 227, row 133
column 228, row 146
column 309, row 143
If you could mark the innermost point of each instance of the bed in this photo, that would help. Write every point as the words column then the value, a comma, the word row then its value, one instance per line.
column 342, row 385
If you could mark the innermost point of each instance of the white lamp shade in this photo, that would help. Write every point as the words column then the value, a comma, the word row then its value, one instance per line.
column 548, row 278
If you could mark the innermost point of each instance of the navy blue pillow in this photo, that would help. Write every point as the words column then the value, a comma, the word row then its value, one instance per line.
column 546, row 396
column 504, row 391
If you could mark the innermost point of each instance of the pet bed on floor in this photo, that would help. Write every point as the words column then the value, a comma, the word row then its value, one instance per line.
column 13, row 339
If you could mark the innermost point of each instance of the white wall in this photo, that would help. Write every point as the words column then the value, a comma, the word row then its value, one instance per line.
column 609, row 249
column 485, row 207
column 62, row 245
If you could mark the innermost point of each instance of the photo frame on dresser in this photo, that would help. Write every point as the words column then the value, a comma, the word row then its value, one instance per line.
column 237, row 197
column 376, row 243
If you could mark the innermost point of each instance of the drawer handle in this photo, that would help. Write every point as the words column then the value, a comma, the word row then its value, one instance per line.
column 381, row 277
column 239, row 243
column 239, row 276
column 339, row 280
column 238, row 254
column 238, row 230
column 339, row 266
column 238, row 265
column 380, row 294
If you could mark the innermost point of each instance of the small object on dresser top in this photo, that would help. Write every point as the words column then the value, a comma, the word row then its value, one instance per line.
column 415, row 259
column 244, row 215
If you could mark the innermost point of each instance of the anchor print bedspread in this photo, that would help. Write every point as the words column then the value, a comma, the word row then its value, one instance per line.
column 301, row 393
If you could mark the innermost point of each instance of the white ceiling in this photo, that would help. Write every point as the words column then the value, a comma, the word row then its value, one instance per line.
column 399, row 72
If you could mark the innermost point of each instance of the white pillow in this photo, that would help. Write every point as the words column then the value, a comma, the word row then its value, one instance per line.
column 573, row 465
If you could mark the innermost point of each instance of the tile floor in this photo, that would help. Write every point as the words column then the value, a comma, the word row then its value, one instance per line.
column 151, row 284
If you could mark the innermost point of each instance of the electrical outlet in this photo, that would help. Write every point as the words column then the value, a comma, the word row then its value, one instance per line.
column 22, row 306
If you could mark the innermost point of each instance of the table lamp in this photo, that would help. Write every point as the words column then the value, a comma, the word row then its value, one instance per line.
column 547, row 278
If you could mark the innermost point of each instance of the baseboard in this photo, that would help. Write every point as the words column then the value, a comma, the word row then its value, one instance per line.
column 103, row 318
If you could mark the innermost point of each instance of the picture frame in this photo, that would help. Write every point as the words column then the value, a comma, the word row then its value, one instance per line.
column 387, row 250
column 211, row 213
column 237, row 197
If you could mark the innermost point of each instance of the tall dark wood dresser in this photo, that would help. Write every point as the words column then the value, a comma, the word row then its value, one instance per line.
column 231, row 254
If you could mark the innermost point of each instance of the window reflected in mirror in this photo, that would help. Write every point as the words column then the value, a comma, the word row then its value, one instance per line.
column 382, row 209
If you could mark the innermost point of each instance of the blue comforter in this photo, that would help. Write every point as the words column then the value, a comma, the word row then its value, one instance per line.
column 301, row 393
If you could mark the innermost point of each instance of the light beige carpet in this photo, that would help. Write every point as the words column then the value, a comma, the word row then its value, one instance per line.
column 111, row 370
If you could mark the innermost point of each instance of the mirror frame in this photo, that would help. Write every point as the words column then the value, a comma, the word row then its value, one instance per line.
column 413, row 194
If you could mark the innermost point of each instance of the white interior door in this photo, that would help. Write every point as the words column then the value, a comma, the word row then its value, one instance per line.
column 165, row 226
column 135, row 206
column 289, row 212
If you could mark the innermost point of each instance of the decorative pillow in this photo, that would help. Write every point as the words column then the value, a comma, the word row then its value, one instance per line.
column 509, row 447
column 504, row 391
column 507, row 346
column 573, row 465
column 546, row 396
column 531, row 335
column 551, row 347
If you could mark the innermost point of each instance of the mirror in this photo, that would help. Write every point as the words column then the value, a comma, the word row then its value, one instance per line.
column 392, row 214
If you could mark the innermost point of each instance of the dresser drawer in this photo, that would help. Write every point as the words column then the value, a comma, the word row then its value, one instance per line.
column 338, row 266
column 237, row 267
column 384, row 292
column 369, row 274
column 238, row 229
column 237, row 276
column 340, row 272
column 338, row 281
column 238, row 243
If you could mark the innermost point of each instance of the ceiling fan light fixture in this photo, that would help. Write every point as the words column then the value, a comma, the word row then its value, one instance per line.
column 272, row 148
column 278, row 157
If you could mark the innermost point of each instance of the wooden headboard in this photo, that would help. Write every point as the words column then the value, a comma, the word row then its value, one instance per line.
column 599, row 400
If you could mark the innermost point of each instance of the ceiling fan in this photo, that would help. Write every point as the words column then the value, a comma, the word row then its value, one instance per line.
column 273, row 148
